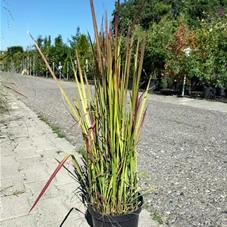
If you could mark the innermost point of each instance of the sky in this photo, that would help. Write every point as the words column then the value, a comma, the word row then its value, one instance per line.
column 47, row 17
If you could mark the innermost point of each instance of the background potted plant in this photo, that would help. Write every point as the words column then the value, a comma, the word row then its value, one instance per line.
column 220, row 90
column 111, row 121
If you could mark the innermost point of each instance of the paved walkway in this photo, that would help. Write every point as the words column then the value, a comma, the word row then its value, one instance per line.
column 28, row 149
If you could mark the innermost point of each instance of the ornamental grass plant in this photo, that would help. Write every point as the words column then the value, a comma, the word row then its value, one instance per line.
column 110, row 118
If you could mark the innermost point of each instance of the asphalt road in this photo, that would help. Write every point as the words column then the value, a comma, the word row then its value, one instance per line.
column 182, row 152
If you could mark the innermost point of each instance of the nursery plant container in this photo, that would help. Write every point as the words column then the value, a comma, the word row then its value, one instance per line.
column 188, row 89
column 209, row 92
column 124, row 220
column 220, row 91
column 88, row 218
column 206, row 92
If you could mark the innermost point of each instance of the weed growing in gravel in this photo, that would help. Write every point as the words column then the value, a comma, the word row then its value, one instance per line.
column 157, row 218
column 54, row 128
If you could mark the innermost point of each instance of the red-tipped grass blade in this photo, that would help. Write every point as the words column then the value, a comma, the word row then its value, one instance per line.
column 49, row 181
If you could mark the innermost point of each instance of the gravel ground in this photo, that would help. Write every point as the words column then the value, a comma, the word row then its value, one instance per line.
column 183, row 151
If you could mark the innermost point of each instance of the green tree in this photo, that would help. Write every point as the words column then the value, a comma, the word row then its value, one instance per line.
column 14, row 49
column 179, row 62
column 58, row 53
column 39, row 66
column 73, row 41
column 212, row 50
column 156, row 53
column 46, row 47
column 13, row 58
column 155, row 10
column 84, row 51
column 203, row 9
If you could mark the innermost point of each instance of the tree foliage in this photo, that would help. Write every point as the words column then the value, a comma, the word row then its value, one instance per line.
column 84, row 51
column 208, row 59
column 73, row 41
column 12, row 59
column 212, row 50
column 171, row 27
column 155, row 10
column 180, row 56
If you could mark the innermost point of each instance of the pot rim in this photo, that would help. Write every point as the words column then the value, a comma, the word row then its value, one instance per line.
column 118, row 217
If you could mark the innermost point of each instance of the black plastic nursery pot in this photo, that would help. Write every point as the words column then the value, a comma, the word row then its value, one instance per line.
column 220, row 91
column 88, row 218
column 124, row 220
column 206, row 92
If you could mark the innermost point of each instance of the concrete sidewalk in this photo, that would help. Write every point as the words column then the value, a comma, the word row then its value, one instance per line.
column 28, row 149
